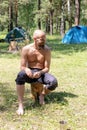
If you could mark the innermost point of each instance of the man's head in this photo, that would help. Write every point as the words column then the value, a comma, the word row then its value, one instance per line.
column 39, row 38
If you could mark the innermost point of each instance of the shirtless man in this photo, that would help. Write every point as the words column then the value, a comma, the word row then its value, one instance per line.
column 35, row 65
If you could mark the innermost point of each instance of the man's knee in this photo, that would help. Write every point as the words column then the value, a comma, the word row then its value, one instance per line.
column 53, row 84
column 20, row 78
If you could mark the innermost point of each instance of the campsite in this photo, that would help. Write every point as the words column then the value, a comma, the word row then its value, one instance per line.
column 76, row 35
column 67, row 103
column 65, row 24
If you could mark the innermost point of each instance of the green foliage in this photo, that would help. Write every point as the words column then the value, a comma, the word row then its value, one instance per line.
column 28, row 13
column 83, row 12
column 3, row 14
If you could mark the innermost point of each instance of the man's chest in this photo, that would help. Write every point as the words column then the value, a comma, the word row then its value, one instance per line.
column 36, row 56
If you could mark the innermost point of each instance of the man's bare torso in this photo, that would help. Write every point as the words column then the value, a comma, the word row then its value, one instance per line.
column 36, row 57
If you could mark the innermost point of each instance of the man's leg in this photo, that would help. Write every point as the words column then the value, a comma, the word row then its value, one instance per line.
column 50, row 83
column 41, row 99
column 20, row 93
column 42, row 95
column 45, row 90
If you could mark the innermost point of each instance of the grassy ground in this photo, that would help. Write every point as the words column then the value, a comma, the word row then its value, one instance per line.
column 67, row 103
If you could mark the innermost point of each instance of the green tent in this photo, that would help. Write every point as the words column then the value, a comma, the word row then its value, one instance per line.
column 17, row 34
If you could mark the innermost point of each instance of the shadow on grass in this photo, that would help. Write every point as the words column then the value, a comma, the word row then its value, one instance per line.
column 56, row 46
column 59, row 97
column 4, row 46
column 9, row 55
column 53, row 97
column 7, row 97
column 68, row 48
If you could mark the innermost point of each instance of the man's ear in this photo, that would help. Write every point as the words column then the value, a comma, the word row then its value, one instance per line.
column 34, row 38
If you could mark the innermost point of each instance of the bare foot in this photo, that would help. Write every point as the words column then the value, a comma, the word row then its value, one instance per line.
column 41, row 99
column 20, row 111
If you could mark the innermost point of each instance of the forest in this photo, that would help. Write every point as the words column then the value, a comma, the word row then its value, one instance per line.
column 66, row 107
column 53, row 16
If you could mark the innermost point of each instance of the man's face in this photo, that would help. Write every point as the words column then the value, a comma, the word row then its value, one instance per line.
column 40, row 40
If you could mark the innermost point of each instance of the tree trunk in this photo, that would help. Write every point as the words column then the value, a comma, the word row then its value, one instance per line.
column 62, row 22
column 69, row 14
column 62, row 26
column 16, row 12
column 10, row 26
column 47, row 25
column 51, row 19
column 57, row 25
column 77, row 12
column 39, row 7
column 51, row 22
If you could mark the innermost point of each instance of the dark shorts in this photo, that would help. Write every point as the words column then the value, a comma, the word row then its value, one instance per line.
column 49, row 80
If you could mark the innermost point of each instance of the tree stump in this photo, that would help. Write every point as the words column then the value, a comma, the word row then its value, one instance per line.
column 36, row 90
column 12, row 46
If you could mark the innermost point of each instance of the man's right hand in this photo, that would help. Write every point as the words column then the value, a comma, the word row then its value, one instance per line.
column 29, row 72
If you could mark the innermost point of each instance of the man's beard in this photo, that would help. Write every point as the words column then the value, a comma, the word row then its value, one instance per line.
column 41, row 46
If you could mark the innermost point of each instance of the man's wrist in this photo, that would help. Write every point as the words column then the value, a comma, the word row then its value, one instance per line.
column 42, row 72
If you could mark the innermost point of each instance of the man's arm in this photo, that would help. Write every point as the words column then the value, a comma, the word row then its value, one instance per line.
column 47, row 62
column 23, row 59
column 24, row 62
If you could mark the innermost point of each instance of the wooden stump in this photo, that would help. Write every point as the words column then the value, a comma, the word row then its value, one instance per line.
column 12, row 46
column 36, row 89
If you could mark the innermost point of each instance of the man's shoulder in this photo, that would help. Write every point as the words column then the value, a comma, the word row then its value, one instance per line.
column 27, row 47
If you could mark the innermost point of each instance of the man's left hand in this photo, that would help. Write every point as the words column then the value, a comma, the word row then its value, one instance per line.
column 36, row 74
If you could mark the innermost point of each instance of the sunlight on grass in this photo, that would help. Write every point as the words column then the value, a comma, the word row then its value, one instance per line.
column 67, row 103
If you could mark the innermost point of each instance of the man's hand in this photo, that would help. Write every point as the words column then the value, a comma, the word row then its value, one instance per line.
column 36, row 74
column 29, row 72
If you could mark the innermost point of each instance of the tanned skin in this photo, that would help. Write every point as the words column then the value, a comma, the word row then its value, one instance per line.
column 35, row 55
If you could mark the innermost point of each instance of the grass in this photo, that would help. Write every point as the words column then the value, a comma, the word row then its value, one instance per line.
column 67, row 103
column 3, row 34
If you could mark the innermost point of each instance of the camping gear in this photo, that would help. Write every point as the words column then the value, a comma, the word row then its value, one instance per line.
column 76, row 35
column 17, row 34
column 14, row 36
